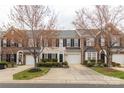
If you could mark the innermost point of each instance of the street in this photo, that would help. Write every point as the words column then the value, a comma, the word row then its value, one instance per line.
column 27, row 85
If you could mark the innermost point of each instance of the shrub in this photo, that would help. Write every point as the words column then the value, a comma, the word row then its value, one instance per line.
column 90, row 64
column 52, row 64
column 118, row 64
column 49, row 60
column 85, row 62
column 11, row 64
column 3, row 65
column 65, row 63
column 105, row 65
column 36, row 69
column 113, row 64
column 54, row 60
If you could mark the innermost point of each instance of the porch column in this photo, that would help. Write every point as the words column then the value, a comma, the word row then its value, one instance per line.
column 58, row 57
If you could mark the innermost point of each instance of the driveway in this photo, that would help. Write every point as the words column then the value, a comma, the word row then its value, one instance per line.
column 7, row 74
column 78, row 74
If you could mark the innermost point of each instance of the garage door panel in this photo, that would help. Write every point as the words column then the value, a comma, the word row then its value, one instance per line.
column 29, row 60
column 73, row 59
column 118, row 58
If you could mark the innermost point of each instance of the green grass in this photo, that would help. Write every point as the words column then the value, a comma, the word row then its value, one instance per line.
column 109, row 72
column 26, row 75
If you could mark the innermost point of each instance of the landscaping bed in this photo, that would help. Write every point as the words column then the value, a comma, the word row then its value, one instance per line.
column 4, row 64
column 109, row 72
column 30, row 74
column 53, row 64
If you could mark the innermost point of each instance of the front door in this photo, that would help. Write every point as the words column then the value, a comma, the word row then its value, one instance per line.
column 103, row 57
column 61, row 57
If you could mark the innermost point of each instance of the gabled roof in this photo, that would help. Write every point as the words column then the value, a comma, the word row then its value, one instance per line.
column 87, row 32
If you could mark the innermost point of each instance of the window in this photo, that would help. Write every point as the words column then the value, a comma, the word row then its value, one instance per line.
column 76, row 43
column 68, row 42
column 90, row 42
column 4, row 57
column 54, row 56
column 30, row 42
column 57, row 42
column 12, row 43
column 64, row 43
column 12, row 57
column 19, row 45
column 102, row 41
column 90, row 55
column 93, row 55
column 45, row 56
column 4, row 42
column 46, row 43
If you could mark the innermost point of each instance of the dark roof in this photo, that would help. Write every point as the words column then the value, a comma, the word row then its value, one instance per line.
column 90, row 49
column 60, row 33
column 67, row 34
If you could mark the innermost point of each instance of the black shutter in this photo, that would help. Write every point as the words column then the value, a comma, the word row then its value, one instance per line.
column 78, row 42
column 14, row 57
column 56, row 56
column 72, row 42
column 49, row 56
column 57, row 42
column 1, row 42
column 42, row 56
column 64, row 42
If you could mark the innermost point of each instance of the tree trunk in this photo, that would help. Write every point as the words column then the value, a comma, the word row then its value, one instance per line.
column 35, row 61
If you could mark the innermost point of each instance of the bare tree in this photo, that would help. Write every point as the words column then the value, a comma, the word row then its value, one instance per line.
column 100, row 18
column 37, row 19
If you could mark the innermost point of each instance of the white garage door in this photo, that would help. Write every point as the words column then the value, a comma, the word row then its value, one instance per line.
column 29, row 60
column 118, row 58
column 74, row 59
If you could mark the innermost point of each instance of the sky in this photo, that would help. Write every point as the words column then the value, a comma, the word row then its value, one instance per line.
column 64, row 8
column 65, row 15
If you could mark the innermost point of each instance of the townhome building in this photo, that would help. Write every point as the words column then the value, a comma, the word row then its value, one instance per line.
column 73, row 46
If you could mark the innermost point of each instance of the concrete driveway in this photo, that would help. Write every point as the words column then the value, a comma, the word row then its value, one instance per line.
column 77, row 74
column 7, row 74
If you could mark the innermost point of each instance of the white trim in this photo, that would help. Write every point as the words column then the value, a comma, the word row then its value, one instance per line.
column 91, row 53
column 17, row 56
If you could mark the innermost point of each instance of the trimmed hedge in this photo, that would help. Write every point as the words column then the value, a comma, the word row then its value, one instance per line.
column 114, row 64
column 3, row 65
column 91, row 63
column 8, row 64
column 52, row 64
column 49, row 60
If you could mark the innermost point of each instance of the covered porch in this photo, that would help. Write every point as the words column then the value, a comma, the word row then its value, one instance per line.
column 53, row 54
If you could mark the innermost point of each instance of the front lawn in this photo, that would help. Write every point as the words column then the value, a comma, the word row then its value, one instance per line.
column 26, row 74
column 109, row 72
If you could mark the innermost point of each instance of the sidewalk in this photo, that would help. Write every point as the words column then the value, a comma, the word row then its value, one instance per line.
column 7, row 74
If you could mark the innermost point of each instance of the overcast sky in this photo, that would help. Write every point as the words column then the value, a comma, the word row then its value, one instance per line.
column 64, row 8
column 65, row 14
